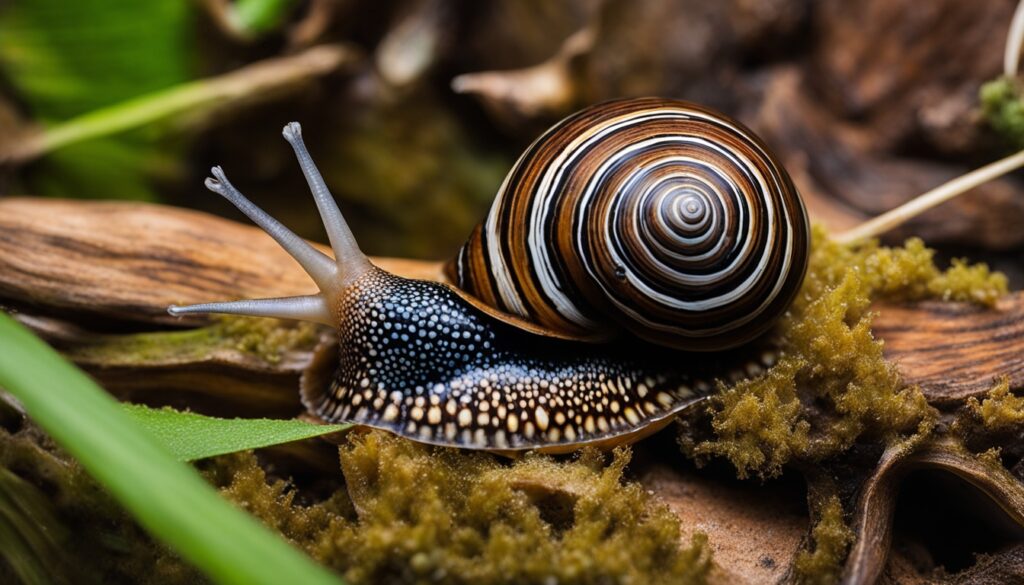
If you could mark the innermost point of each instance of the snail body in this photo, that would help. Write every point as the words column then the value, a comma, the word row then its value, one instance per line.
column 646, row 218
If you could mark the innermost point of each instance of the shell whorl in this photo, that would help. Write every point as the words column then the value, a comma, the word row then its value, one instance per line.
column 651, row 215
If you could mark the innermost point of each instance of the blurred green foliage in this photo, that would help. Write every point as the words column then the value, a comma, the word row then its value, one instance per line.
column 1003, row 108
column 67, row 58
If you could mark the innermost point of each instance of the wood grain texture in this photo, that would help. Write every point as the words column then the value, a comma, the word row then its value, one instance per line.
column 954, row 350
column 131, row 260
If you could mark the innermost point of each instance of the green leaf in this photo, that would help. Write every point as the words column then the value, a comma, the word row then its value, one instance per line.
column 166, row 496
column 190, row 436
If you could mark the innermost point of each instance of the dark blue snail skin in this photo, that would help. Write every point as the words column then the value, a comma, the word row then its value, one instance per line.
column 418, row 360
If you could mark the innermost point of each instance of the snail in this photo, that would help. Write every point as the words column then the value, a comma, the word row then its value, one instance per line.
column 629, row 252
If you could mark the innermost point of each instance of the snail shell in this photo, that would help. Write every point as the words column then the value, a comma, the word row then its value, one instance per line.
column 650, row 215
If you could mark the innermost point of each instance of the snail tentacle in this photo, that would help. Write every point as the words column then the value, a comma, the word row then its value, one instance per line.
column 351, row 261
column 317, row 265
column 303, row 308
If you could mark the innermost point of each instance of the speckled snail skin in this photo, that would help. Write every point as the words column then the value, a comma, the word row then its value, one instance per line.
column 627, row 232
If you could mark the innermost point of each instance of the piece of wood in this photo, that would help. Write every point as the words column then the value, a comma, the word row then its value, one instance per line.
column 754, row 530
column 129, row 261
column 954, row 350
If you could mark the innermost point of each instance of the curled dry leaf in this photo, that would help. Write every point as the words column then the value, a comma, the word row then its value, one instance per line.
column 875, row 506
column 846, row 179
column 546, row 90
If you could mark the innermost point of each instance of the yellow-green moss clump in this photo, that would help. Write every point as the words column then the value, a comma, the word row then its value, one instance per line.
column 832, row 386
column 409, row 514
column 1000, row 411
column 995, row 421
column 1003, row 108
column 268, row 339
column 420, row 514
column 832, row 538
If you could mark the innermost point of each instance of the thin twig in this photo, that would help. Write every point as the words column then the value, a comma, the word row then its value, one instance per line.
column 1014, row 40
column 926, row 201
column 251, row 80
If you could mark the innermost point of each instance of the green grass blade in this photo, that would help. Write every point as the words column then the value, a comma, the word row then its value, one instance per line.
column 190, row 436
column 167, row 497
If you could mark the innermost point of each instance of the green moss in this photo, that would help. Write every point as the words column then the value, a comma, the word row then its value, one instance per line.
column 268, row 339
column 897, row 273
column 832, row 386
column 758, row 423
column 1003, row 109
column 1000, row 411
column 426, row 514
column 265, row 339
column 408, row 514
column 832, row 538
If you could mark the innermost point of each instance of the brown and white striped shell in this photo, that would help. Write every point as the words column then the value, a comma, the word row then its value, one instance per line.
column 654, row 216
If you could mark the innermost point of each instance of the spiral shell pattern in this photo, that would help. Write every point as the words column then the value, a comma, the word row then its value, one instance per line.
column 651, row 215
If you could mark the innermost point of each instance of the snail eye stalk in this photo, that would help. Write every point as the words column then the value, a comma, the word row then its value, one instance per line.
column 352, row 263
column 330, row 275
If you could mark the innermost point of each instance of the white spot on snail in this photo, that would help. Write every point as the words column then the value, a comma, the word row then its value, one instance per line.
column 631, row 415
column 465, row 417
column 541, row 416
column 434, row 415
column 570, row 433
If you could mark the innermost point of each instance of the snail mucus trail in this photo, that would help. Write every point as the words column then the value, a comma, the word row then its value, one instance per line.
column 635, row 252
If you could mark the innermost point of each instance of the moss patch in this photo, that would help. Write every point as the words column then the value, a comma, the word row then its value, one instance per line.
column 993, row 426
column 439, row 514
column 832, row 387
column 1003, row 108
column 1000, row 410
column 268, row 340
column 832, row 538
column 410, row 514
